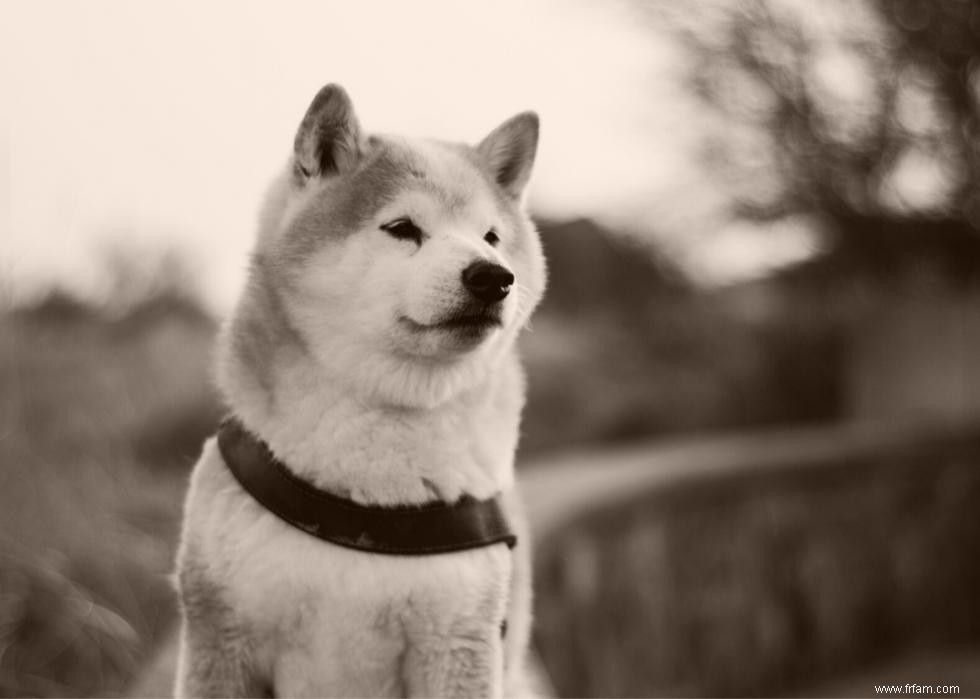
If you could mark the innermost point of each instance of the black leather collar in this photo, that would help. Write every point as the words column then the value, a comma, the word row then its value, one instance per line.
column 438, row 527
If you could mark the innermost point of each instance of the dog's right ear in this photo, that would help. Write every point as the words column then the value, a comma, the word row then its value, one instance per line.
column 509, row 152
column 328, row 141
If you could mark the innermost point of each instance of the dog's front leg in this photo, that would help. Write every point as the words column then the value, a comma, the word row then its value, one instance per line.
column 464, row 663
column 212, row 665
column 215, row 657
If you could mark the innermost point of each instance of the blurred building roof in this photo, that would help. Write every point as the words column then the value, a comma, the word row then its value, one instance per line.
column 590, row 268
column 894, row 253
column 871, row 262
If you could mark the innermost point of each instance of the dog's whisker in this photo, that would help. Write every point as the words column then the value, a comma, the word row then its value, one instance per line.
column 525, row 303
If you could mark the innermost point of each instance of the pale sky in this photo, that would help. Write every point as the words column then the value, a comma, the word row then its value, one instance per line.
column 158, row 124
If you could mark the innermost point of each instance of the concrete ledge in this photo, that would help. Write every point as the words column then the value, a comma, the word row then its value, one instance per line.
column 757, row 564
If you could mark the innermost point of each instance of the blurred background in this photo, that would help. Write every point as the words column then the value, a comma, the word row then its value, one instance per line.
column 752, row 441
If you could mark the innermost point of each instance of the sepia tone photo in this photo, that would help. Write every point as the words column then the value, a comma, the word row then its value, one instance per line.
column 559, row 348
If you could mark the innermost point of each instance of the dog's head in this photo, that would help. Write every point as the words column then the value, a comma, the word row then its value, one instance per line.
column 408, row 259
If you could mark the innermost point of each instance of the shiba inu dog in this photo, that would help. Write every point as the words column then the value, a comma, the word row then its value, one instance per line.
column 372, row 355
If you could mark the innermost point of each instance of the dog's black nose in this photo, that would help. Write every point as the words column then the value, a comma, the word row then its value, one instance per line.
column 487, row 281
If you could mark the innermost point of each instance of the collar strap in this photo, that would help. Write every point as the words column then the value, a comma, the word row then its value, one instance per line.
column 415, row 530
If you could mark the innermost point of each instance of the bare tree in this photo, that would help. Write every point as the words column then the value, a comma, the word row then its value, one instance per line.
column 864, row 114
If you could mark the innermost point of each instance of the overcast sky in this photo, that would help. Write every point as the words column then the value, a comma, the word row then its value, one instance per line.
column 158, row 124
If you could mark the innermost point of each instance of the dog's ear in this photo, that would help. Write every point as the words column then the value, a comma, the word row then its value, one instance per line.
column 509, row 152
column 328, row 141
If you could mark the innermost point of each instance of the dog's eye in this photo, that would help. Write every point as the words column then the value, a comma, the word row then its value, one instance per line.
column 492, row 238
column 403, row 229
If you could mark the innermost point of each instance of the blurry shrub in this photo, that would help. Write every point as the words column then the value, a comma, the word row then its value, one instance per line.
column 58, row 639
column 101, row 419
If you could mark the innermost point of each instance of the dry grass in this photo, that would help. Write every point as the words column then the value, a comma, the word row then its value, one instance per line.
column 96, row 419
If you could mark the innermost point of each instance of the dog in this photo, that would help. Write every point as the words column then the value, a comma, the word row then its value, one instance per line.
column 372, row 356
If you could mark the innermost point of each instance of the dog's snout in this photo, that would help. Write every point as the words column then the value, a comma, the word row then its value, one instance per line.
column 487, row 281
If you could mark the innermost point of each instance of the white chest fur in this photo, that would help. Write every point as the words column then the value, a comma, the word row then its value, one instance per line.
column 327, row 616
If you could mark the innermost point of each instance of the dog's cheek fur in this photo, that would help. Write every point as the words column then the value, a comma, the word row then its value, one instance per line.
column 349, row 289
column 331, row 284
column 524, row 250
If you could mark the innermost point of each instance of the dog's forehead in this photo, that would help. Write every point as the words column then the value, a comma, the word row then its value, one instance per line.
column 445, row 173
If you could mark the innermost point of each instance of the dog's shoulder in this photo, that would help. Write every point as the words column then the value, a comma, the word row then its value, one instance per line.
column 213, row 498
column 205, row 482
column 209, row 480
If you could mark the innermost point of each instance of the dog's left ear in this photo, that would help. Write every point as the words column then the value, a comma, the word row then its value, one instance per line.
column 509, row 152
column 328, row 141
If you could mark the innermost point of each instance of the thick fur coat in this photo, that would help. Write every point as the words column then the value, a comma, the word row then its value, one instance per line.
column 373, row 365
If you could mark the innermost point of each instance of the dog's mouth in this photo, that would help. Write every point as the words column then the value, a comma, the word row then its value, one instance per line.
column 468, row 319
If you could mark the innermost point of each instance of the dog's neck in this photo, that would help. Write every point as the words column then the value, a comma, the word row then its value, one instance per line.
column 372, row 452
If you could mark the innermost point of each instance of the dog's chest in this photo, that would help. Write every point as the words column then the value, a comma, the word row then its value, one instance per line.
column 323, row 615
column 290, row 572
column 343, row 619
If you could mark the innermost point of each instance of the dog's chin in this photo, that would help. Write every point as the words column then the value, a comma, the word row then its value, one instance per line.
column 454, row 334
